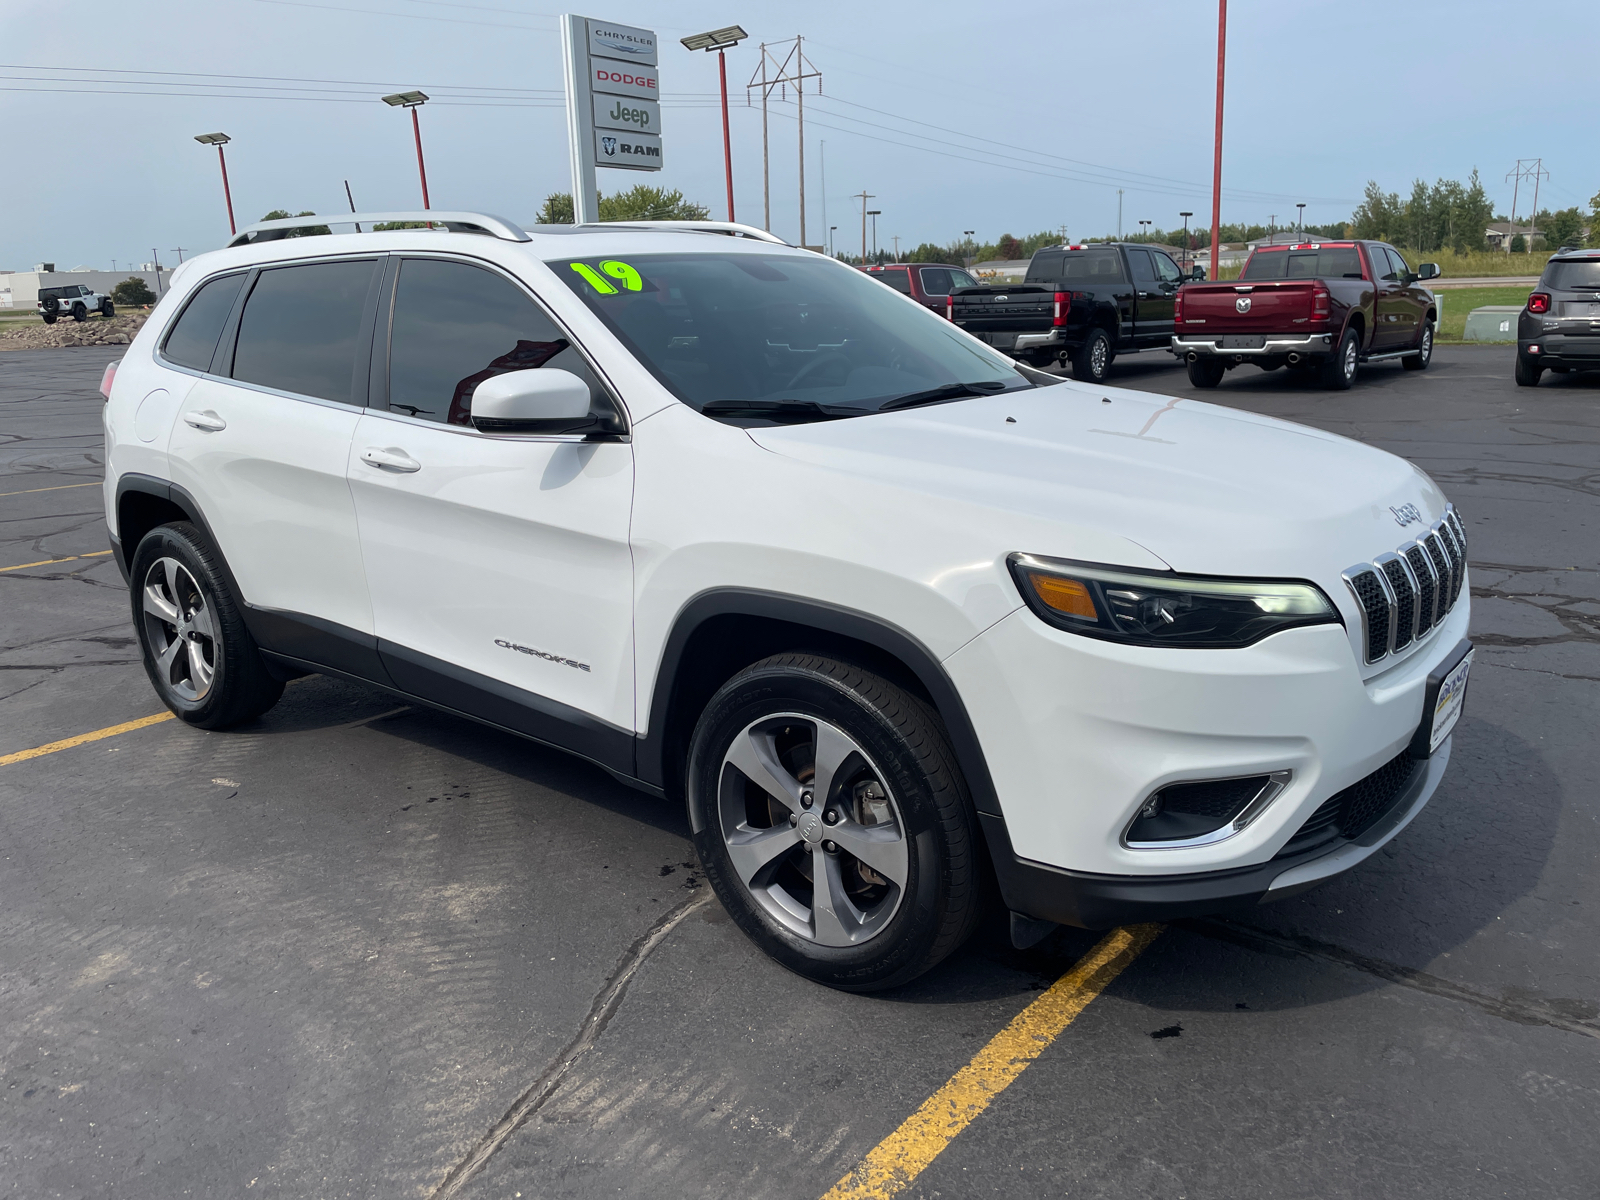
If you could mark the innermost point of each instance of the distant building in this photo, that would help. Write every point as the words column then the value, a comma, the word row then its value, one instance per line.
column 20, row 289
column 1500, row 233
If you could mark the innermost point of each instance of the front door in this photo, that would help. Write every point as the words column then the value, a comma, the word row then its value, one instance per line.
column 499, row 565
column 1153, row 305
column 1392, row 305
column 262, row 443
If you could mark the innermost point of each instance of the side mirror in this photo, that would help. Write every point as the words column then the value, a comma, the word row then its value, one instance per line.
column 547, row 400
column 1428, row 271
column 1197, row 272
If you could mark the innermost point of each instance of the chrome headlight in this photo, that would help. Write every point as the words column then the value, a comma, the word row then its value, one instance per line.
column 1159, row 608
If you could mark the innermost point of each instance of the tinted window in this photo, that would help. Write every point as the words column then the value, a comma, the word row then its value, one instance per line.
column 1139, row 264
column 1091, row 266
column 1334, row 262
column 1382, row 265
column 298, row 331
column 1399, row 261
column 1578, row 274
column 936, row 280
column 1044, row 266
column 743, row 326
column 456, row 325
column 194, row 336
column 900, row 281
column 960, row 279
column 1166, row 268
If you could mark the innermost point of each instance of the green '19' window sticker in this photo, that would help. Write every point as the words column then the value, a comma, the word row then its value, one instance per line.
column 619, row 271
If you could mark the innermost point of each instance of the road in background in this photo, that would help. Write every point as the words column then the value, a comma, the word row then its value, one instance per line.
column 324, row 954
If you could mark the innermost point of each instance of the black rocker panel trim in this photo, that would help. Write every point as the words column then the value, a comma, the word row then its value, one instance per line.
column 311, row 639
column 833, row 619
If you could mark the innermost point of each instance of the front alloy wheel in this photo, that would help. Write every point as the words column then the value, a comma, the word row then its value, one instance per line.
column 179, row 630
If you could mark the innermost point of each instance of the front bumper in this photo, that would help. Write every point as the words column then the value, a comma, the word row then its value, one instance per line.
column 1273, row 346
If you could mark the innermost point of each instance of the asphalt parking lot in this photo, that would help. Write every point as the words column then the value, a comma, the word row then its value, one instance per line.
column 354, row 947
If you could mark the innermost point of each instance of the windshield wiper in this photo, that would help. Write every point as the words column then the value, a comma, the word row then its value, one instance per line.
column 794, row 410
column 950, row 391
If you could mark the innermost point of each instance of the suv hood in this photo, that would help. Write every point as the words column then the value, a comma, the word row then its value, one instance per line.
column 1207, row 489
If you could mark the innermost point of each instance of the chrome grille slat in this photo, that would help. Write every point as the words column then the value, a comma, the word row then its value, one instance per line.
column 1404, row 594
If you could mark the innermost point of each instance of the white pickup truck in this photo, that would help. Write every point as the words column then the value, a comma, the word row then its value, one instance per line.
column 75, row 300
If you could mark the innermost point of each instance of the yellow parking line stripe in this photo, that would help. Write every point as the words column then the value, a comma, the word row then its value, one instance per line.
column 47, row 561
column 60, row 487
column 83, row 738
column 894, row 1162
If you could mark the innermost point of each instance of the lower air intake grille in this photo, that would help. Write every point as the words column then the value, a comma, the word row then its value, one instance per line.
column 1355, row 810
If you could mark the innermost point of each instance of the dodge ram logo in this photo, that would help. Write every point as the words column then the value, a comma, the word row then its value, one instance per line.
column 1242, row 304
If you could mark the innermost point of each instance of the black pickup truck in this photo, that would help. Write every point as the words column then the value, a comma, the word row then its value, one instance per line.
column 1082, row 305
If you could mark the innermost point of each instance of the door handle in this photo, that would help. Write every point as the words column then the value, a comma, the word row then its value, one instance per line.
column 206, row 422
column 390, row 459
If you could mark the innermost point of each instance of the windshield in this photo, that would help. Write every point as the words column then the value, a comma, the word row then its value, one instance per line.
column 1578, row 273
column 746, row 332
column 1330, row 262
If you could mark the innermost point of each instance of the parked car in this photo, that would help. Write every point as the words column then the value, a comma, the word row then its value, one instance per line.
column 929, row 284
column 74, row 300
column 1082, row 305
column 1559, row 329
column 728, row 520
column 1316, row 306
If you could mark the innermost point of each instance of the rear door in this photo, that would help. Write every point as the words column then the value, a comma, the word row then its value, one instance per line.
column 262, row 443
column 499, row 564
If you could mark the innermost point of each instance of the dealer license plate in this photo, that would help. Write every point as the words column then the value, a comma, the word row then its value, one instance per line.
column 1447, row 709
column 1244, row 342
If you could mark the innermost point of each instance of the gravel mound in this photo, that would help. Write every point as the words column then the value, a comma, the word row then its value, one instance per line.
column 96, row 331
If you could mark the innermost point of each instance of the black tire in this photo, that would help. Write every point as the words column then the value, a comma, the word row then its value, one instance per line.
column 1339, row 370
column 1206, row 372
column 79, row 312
column 107, row 309
column 49, row 318
column 1528, row 372
column 922, row 797
column 1092, row 362
column 50, row 308
column 207, row 616
column 1424, row 355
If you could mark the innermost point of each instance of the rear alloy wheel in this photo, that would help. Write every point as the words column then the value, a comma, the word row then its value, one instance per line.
column 1424, row 355
column 1528, row 372
column 833, row 823
column 79, row 312
column 1093, row 359
column 1339, row 371
column 107, row 309
column 202, row 660
column 1206, row 372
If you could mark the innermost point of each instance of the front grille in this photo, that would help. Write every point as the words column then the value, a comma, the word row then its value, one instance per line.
column 1355, row 810
column 1406, row 593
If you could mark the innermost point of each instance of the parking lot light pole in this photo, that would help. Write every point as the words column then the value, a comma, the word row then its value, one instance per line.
column 1186, row 246
column 721, row 40
column 1302, row 226
column 1216, row 161
column 875, row 213
column 219, row 140
column 414, row 101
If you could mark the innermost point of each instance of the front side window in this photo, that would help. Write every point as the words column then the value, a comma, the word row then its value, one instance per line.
column 941, row 281
column 1166, row 268
column 1383, row 265
column 798, row 336
column 298, row 331
column 454, row 326
column 194, row 335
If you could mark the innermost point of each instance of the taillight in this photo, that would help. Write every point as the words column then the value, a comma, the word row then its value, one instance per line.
column 1321, row 303
column 1177, row 308
column 950, row 308
column 1539, row 302
column 1063, row 307
column 108, row 378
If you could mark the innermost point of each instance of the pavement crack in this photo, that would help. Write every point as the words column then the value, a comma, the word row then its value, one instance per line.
column 606, row 1003
column 1523, row 1010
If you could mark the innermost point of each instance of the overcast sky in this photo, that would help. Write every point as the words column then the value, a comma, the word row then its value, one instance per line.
column 1032, row 114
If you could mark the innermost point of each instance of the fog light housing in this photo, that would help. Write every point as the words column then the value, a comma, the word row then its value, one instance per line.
column 1533, row 349
column 1201, row 812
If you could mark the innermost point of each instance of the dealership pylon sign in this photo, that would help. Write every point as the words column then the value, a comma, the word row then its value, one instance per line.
column 613, row 103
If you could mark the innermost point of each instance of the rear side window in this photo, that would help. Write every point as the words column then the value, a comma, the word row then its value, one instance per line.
column 194, row 335
column 455, row 325
column 298, row 331
column 900, row 281
column 1139, row 262
column 1092, row 266
column 1333, row 262
column 1577, row 274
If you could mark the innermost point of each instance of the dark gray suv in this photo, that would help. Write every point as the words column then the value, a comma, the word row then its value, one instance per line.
column 1559, row 330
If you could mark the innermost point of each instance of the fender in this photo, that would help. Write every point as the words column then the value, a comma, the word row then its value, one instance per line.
column 650, row 753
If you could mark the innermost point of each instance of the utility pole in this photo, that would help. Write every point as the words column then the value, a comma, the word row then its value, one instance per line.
column 1272, row 226
column 156, row 259
column 796, row 69
column 352, row 201
column 822, row 164
column 896, row 240
column 1526, row 168
column 875, row 214
column 864, row 196
column 1216, row 161
column 1119, row 214
column 178, row 250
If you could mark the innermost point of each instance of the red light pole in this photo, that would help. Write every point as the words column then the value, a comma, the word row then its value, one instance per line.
column 219, row 140
column 1216, row 166
column 721, row 40
column 414, row 101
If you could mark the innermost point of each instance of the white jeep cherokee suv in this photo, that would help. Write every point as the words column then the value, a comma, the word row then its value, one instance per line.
column 903, row 622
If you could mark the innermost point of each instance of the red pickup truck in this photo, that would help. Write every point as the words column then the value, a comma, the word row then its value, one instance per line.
column 1322, row 306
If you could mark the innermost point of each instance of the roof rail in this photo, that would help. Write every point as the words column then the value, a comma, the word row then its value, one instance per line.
column 727, row 228
column 455, row 222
